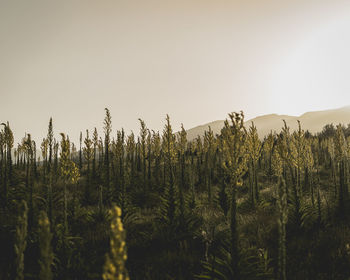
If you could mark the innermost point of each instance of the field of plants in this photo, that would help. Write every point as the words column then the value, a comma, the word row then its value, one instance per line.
column 153, row 205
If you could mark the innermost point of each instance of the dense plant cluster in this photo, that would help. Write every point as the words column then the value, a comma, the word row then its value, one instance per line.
column 227, row 206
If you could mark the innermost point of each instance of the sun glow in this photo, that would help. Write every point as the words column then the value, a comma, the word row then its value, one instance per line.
column 315, row 73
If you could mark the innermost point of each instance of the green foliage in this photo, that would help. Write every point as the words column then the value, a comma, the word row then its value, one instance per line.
column 254, row 264
column 227, row 206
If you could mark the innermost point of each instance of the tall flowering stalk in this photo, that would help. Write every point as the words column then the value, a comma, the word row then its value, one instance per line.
column 209, row 148
column 341, row 157
column 254, row 147
column 107, row 141
column 69, row 172
column 235, row 165
column 282, row 208
column 46, row 254
column 21, row 241
column 114, row 267
column 88, row 151
column 169, row 163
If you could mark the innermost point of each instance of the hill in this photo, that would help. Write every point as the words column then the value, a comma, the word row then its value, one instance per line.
column 312, row 121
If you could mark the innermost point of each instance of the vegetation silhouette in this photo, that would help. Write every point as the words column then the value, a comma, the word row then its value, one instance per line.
column 154, row 205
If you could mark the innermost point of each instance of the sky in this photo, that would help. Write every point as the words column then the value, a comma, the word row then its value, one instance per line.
column 196, row 60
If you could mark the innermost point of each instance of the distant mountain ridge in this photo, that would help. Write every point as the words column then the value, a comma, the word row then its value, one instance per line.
column 312, row 121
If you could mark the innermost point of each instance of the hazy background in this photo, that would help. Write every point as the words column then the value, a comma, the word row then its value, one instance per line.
column 194, row 59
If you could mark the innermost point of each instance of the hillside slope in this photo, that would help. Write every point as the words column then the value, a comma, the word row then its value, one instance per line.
column 312, row 121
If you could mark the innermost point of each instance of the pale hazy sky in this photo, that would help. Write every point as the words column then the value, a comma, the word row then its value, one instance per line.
column 194, row 59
